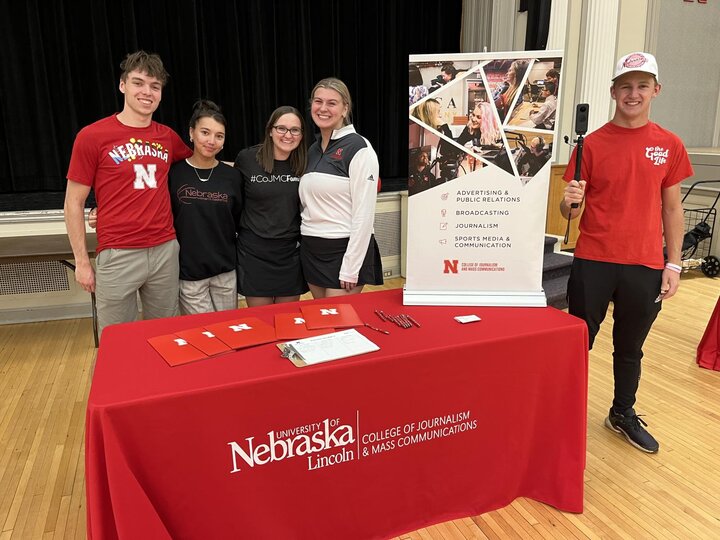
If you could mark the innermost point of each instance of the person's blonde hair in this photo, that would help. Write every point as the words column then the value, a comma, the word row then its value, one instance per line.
column 489, row 133
column 424, row 113
column 333, row 83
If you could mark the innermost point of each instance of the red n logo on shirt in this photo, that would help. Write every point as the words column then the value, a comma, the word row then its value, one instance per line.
column 145, row 177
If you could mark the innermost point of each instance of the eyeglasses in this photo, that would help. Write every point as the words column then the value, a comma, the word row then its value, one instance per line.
column 282, row 130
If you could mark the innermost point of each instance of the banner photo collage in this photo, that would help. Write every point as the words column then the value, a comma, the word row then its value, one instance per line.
column 482, row 128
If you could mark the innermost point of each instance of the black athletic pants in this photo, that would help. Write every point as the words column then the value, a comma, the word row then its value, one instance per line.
column 633, row 290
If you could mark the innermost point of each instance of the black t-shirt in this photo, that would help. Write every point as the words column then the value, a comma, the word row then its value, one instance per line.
column 207, row 216
column 272, row 204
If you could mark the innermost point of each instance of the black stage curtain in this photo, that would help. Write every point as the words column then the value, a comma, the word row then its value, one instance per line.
column 59, row 70
column 538, row 23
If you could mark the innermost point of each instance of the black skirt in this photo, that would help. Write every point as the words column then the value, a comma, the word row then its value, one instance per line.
column 322, row 258
column 269, row 266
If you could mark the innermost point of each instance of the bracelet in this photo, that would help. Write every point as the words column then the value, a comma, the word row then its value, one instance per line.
column 673, row 267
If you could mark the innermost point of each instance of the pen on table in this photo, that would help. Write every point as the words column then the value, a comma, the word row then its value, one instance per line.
column 377, row 329
column 380, row 314
column 413, row 321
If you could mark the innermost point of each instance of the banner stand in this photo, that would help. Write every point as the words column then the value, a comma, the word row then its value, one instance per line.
column 481, row 140
column 474, row 298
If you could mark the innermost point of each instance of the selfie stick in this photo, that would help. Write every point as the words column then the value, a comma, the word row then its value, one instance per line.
column 581, row 126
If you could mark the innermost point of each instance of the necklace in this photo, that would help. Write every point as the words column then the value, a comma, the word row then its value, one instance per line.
column 198, row 174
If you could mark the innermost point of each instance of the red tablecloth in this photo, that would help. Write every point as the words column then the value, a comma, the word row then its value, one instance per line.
column 444, row 421
column 708, row 351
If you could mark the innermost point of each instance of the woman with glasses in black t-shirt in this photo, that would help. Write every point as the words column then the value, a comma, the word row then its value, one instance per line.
column 268, row 246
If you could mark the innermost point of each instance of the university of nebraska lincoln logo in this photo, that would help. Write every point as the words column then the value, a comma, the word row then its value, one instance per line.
column 450, row 266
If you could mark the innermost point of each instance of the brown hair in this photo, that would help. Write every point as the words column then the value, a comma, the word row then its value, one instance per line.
column 341, row 88
column 266, row 156
column 143, row 62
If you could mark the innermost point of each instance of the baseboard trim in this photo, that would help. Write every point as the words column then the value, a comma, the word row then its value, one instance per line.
column 45, row 313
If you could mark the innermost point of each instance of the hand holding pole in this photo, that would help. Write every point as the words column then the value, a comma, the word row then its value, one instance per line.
column 581, row 125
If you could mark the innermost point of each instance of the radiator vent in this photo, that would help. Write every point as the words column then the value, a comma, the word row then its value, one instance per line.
column 33, row 277
column 387, row 233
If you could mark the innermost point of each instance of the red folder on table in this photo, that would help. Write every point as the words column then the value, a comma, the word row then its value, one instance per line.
column 292, row 326
column 330, row 316
column 175, row 350
column 240, row 333
column 204, row 340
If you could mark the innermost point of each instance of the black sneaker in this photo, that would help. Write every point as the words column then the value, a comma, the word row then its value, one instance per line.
column 631, row 426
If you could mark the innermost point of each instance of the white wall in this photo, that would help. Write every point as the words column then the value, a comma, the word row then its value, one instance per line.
column 688, row 45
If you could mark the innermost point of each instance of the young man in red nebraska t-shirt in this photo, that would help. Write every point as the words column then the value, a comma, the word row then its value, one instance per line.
column 631, row 170
column 126, row 158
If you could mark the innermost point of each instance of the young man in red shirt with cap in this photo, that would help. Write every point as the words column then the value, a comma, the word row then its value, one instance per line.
column 631, row 170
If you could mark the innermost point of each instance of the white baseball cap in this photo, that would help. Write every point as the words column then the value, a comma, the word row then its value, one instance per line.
column 636, row 61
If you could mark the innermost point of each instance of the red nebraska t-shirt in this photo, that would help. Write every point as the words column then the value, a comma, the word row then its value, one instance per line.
column 128, row 168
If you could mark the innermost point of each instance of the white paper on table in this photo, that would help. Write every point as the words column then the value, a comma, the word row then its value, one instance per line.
column 317, row 349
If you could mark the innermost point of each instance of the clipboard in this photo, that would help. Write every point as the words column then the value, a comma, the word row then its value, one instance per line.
column 325, row 348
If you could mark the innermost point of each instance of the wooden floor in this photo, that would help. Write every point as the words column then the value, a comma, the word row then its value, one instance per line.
column 45, row 372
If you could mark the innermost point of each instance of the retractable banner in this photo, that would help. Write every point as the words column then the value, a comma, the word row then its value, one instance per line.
column 481, row 135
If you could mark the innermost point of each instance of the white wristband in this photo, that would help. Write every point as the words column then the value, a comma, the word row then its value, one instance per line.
column 673, row 267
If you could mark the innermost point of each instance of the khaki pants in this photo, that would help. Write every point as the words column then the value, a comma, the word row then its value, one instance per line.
column 218, row 293
column 122, row 273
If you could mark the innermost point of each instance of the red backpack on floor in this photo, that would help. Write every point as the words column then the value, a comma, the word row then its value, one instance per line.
column 708, row 351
